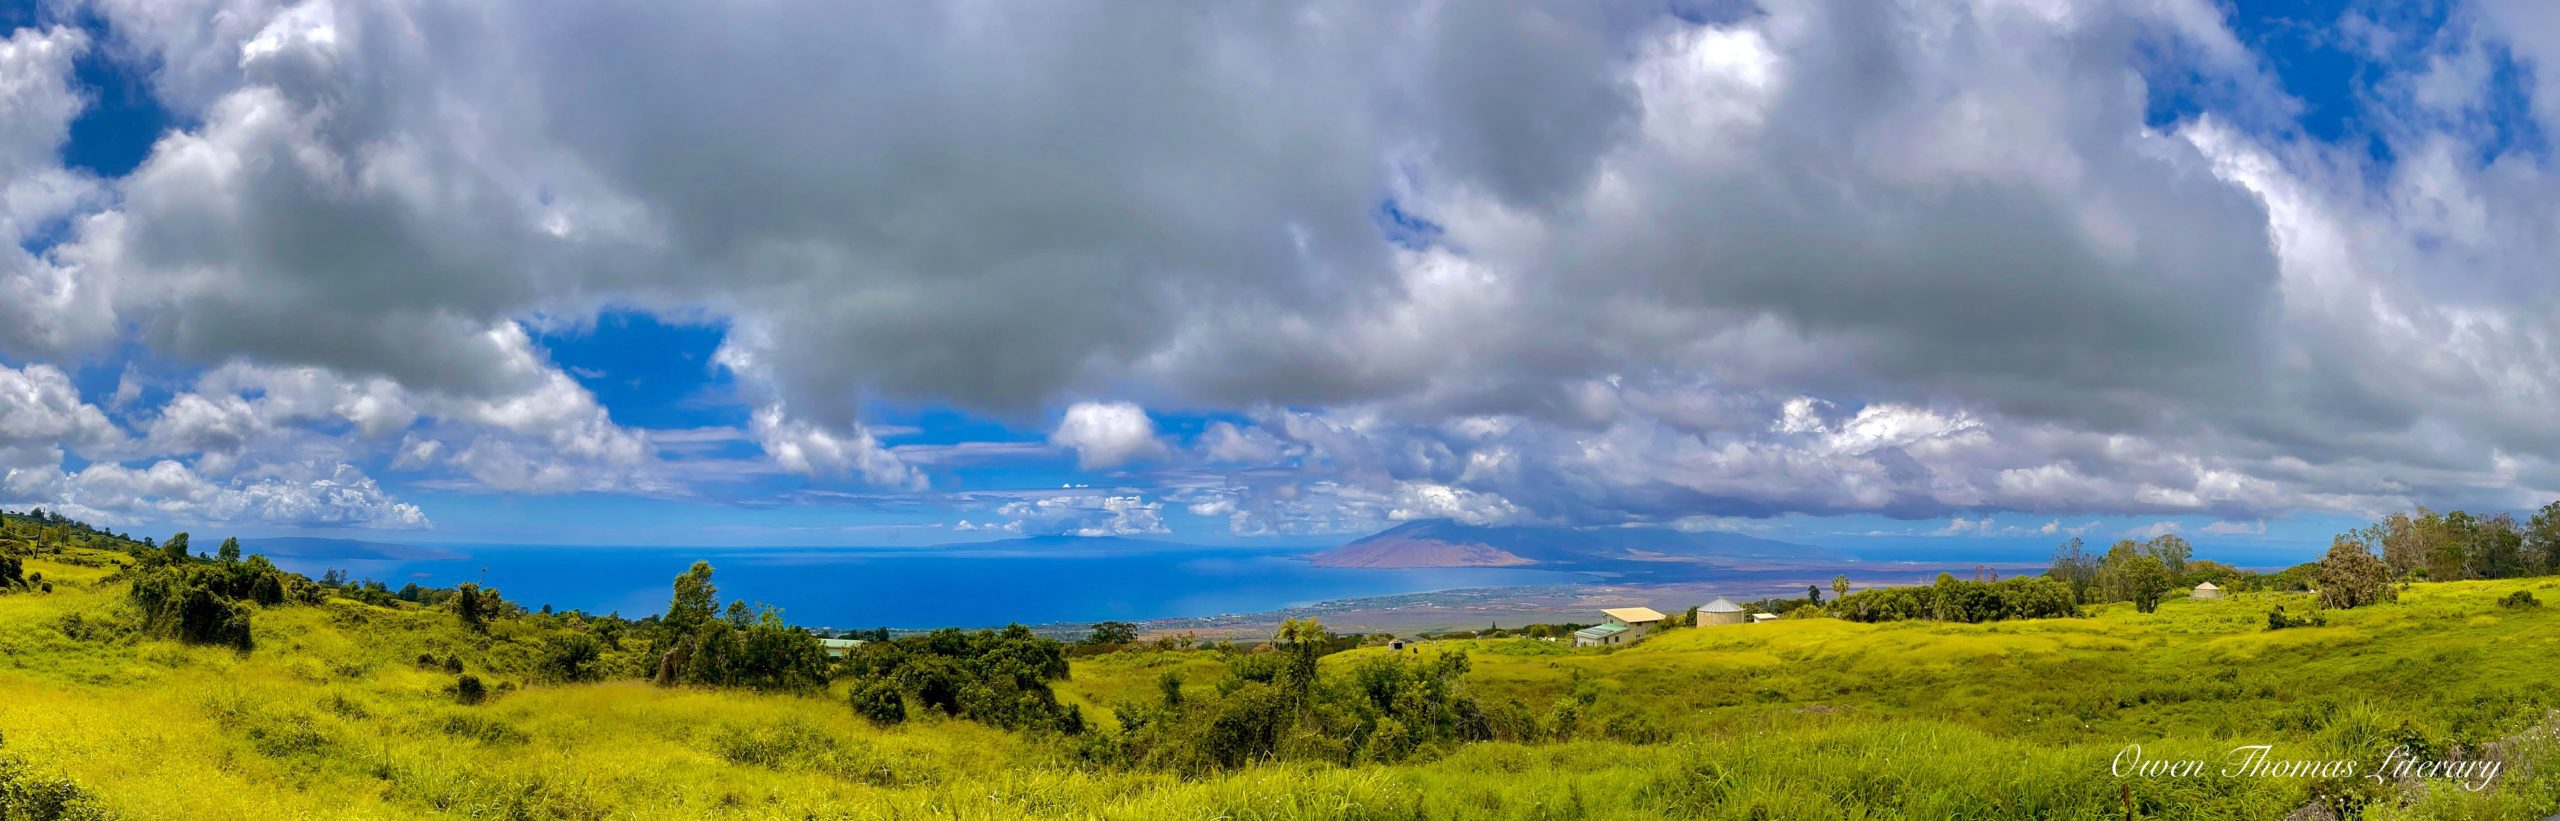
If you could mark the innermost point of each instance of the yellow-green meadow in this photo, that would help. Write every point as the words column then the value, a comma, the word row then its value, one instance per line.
column 346, row 709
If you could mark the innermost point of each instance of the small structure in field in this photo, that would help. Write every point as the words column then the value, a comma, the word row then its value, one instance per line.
column 836, row 648
column 1600, row 635
column 1720, row 611
column 2206, row 591
column 1624, row 625
column 1396, row 644
column 1757, row 618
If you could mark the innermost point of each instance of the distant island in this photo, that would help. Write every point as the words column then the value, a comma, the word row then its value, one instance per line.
column 1447, row 543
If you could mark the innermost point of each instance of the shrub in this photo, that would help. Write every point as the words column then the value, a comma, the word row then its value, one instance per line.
column 23, row 794
column 2350, row 576
column 189, row 603
column 2519, row 600
column 880, row 702
column 572, row 657
column 997, row 677
column 2278, row 620
column 469, row 690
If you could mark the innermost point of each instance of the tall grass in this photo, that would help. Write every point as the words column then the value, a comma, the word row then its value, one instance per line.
column 331, row 716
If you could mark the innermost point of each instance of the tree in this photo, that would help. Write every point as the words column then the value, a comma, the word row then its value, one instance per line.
column 1813, row 594
column 2542, row 537
column 2172, row 551
column 695, row 601
column 2497, row 549
column 2146, row 579
column 2350, row 576
column 2072, row 566
column 2407, row 540
column 468, row 604
column 1303, row 641
column 175, row 550
column 2449, row 556
column 1839, row 587
column 1112, row 633
column 230, row 551
column 2112, row 582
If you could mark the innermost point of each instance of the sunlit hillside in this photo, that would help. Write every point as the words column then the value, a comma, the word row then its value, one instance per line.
column 349, row 709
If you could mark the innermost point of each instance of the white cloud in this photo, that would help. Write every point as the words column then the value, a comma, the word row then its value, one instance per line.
column 1621, row 256
column 330, row 495
column 803, row 447
column 1084, row 514
column 2153, row 530
column 1107, row 434
column 2229, row 528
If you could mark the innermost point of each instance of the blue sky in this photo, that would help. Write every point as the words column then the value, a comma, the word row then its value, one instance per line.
column 2253, row 273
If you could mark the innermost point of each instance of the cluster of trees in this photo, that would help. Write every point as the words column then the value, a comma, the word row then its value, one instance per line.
column 1960, row 600
column 39, row 530
column 204, row 600
column 2424, row 544
column 997, row 677
column 1274, row 704
column 2139, row 572
column 697, row 644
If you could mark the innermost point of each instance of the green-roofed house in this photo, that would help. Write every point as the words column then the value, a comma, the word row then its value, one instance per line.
column 1623, row 626
column 1600, row 635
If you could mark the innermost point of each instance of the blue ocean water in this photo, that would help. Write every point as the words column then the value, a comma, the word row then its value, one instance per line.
column 915, row 588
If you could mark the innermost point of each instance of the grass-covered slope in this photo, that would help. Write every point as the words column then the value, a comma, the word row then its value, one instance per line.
column 333, row 715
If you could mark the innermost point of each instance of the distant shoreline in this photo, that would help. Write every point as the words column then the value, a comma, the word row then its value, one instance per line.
column 1474, row 607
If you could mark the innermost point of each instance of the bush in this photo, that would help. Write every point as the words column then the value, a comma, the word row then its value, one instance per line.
column 190, row 603
column 880, row 702
column 2278, row 620
column 2350, row 576
column 2520, row 600
column 997, row 677
column 572, row 657
column 469, row 690
column 23, row 794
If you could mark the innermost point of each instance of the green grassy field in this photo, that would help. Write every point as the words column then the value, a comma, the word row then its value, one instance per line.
column 331, row 716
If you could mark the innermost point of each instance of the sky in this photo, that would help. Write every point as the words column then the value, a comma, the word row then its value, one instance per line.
column 1890, row 272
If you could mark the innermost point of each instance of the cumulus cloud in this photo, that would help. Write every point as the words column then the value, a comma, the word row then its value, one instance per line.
column 1107, row 434
column 333, row 495
column 1582, row 263
column 1083, row 514
column 800, row 446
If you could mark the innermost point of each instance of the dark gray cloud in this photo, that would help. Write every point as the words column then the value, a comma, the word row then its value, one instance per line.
column 1658, row 238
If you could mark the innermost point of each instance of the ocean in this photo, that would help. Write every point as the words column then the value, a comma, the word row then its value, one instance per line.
column 903, row 588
